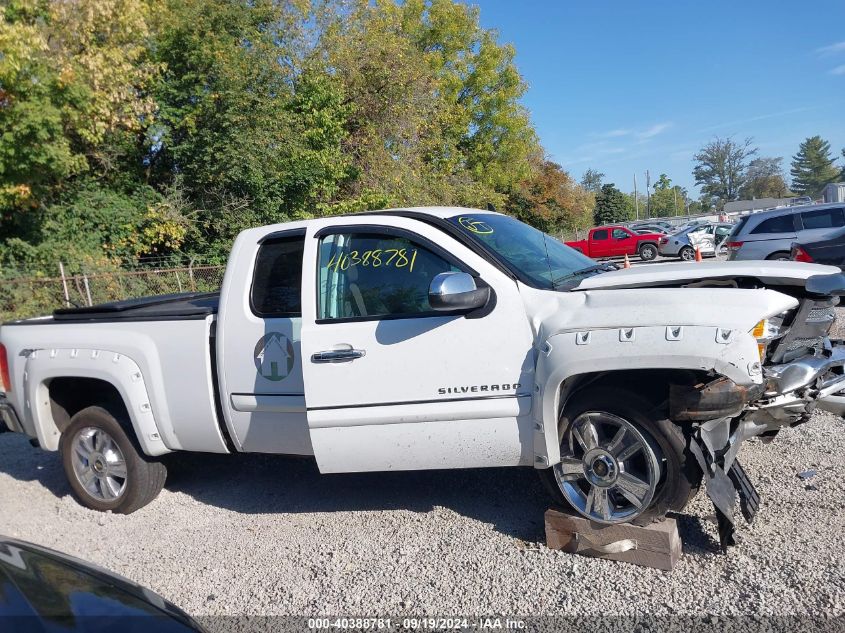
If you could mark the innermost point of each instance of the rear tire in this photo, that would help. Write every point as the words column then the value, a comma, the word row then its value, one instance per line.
column 105, row 466
column 687, row 254
column 676, row 483
column 648, row 252
column 779, row 256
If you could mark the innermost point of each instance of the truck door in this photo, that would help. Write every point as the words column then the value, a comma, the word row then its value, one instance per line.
column 622, row 242
column 390, row 383
column 258, row 344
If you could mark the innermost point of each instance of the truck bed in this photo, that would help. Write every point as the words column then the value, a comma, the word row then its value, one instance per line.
column 172, row 307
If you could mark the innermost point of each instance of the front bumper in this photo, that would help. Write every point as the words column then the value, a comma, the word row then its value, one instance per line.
column 9, row 420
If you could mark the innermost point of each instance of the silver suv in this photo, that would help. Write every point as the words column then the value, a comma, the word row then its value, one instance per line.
column 769, row 234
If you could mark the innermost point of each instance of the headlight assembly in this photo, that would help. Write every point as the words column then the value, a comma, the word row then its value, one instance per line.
column 767, row 331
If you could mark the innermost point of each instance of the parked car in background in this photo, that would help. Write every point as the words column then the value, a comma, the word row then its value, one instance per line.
column 707, row 237
column 616, row 241
column 44, row 590
column 642, row 229
column 661, row 226
column 827, row 250
column 770, row 234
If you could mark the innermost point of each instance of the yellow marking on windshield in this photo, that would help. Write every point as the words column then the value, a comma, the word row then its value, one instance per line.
column 475, row 226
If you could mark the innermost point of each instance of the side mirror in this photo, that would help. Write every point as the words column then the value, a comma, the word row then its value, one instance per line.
column 456, row 292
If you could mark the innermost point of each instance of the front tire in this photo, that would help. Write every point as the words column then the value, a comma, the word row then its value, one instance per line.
column 648, row 252
column 104, row 465
column 622, row 460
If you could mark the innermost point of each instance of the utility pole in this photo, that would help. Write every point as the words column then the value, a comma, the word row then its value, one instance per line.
column 647, row 194
column 675, row 194
column 636, row 198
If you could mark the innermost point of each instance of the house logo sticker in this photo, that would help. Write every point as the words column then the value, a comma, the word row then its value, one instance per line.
column 274, row 356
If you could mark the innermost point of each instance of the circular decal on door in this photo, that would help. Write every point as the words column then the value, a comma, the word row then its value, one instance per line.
column 274, row 356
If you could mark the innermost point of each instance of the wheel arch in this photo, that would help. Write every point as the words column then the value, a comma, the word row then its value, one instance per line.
column 60, row 383
column 565, row 367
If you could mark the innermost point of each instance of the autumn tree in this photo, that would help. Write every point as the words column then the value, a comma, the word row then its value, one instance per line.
column 162, row 126
column 813, row 167
column 720, row 168
column 72, row 80
column 611, row 206
column 551, row 200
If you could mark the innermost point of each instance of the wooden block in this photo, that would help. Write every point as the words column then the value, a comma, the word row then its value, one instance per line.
column 657, row 545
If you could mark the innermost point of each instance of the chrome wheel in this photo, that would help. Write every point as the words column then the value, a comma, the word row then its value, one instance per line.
column 99, row 464
column 687, row 254
column 609, row 470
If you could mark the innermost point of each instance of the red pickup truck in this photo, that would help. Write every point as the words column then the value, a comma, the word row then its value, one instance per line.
column 615, row 241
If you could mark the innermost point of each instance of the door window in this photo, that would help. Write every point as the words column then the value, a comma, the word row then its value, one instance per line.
column 277, row 281
column 600, row 235
column 620, row 234
column 367, row 275
column 822, row 219
column 777, row 224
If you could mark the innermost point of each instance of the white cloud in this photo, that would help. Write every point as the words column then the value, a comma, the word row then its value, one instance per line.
column 647, row 133
column 759, row 117
column 839, row 47
column 654, row 130
column 839, row 70
column 614, row 133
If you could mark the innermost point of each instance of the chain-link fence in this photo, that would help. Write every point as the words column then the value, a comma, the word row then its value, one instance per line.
column 31, row 295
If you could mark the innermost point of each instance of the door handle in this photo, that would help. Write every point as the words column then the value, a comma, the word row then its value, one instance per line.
column 337, row 355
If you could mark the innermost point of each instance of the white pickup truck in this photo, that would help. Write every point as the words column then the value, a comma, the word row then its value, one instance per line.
column 436, row 338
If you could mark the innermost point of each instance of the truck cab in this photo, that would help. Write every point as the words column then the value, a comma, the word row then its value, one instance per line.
column 617, row 241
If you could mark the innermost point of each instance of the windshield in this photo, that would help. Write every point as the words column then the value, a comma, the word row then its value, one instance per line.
column 543, row 260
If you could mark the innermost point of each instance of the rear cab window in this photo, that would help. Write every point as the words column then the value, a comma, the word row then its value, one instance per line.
column 277, row 280
column 777, row 224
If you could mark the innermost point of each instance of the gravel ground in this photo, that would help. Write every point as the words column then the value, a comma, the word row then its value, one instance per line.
column 252, row 534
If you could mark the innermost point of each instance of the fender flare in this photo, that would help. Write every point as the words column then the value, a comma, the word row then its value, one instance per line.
column 117, row 369
column 568, row 354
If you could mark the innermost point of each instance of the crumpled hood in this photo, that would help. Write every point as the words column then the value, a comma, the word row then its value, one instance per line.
column 729, row 308
column 768, row 272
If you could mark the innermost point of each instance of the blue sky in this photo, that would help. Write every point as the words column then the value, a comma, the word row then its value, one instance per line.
column 622, row 87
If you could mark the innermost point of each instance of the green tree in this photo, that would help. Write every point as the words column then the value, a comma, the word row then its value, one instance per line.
column 720, row 168
column 813, row 167
column 611, row 206
column 253, row 140
column 663, row 183
column 764, row 179
column 592, row 180
column 667, row 200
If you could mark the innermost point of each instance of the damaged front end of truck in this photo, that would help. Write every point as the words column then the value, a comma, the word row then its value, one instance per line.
column 801, row 369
